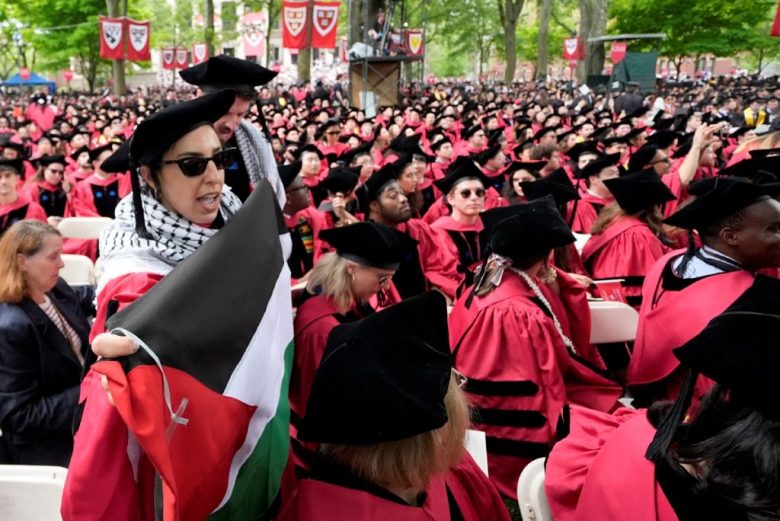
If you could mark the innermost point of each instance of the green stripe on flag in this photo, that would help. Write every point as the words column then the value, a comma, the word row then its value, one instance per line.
column 256, row 487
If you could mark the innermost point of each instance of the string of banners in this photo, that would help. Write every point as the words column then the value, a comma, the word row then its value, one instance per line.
column 124, row 39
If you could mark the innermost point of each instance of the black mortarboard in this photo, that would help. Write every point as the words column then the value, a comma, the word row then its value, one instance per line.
column 738, row 350
column 635, row 132
column 599, row 164
column 639, row 191
column 119, row 161
column 382, row 378
column 723, row 196
column 664, row 138
column 557, row 184
column 663, row 123
column 226, row 71
column 379, row 179
column 467, row 170
column 19, row 147
column 526, row 230
column 470, row 131
column 370, row 244
column 341, row 179
column 289, row 172
column 12, row 164
column 683, row 150
column 542, row 132
column 614, row 141
column 310, row 147
column 531, row 166
column 760, row 153
column 642, row 157
column 438, row 144
column 49, row 160
column 752, row 166
column 94, row 153
column 76, row 153
column 577, row 150
column 488, row 154
column 350, row 155
column 496, row 136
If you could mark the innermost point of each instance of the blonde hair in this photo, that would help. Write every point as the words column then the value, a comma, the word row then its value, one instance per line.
column 652, row 217
column 411, row 462
column 331, row 278
column 26, row 238
column 768, row 141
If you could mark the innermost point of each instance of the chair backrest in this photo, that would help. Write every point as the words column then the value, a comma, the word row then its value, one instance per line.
column 31, row 492
column 78, row 270
column 579, row 240
column 476, row 445
column 83, row 227
column 530, row 493
column 612, row 321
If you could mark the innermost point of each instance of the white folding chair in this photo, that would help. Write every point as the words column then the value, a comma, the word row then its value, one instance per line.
column 579, row 240
column 476, row 445
column 612, row 321
column 530, row 493
column 83, row 227
column 31, row 492
column 78, row 270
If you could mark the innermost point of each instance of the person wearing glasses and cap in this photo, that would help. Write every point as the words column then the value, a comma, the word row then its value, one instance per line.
column 98, row 194
column 520, row 344
column 389, row 420
column 254, row 161
column 340, row 289
column 717, row 460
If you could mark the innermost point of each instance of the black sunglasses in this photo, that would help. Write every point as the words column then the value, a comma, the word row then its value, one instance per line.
column 479, row 192
column 195, row 166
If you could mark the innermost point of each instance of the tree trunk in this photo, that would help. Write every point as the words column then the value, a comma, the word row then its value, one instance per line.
column 304, row 55
column 593, row 22
column 760, row 61
column 357, row 20
column 508, row 13
column 118, row 66
column 210, row 27
column 543, row 43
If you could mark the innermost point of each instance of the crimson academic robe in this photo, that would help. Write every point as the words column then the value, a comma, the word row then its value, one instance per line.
column 338, row 148
column 95, row 197
column 52, row 199
column 438, row 266
column 626, row 248
column 519, row 371
column 671, row 314
column 22, row 208
column 332, row 494
column 588, row 208
column 599, row 471
column 464, row 241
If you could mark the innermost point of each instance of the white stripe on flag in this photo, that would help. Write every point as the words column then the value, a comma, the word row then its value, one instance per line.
column 257, row 379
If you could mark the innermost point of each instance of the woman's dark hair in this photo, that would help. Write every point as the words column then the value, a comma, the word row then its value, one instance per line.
column 736, row 449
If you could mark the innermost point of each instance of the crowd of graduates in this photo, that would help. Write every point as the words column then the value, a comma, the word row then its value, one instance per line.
column 443, row 254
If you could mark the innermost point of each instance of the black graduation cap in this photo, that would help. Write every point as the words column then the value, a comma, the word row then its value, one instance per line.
column 664, row 138
column 642, row 157
column 635, row 132
column 50, row 160
column 752, row 166
column 119, row 161
column 310, row 147
column 577, row 150
column 639, row 191
column 738, row 350
column 225, row 71
column 542, row 132
column 379, row 179
column 684, row 149
column 557, row 184
column 531, row 166
column 94, row 153
column 760, row 153
column 370, row 244
column 715, row 199
column 16, row 165
column 663, row 123
column 438, row 144
column 289, row 172
column 466, row 170
column 495, row 137
column 526, row 229
column 382, row 378
column 599, row 164
column 364, row 149
column 488, row 154
column 20, row 148
column 341, row 179
column 471, row 131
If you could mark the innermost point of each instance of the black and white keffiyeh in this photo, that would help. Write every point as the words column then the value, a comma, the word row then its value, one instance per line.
column 174, row 238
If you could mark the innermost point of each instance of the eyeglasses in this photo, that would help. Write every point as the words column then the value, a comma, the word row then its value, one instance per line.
column 56, row 170
column 333, row 132
column 195, row 166
column 479, row 192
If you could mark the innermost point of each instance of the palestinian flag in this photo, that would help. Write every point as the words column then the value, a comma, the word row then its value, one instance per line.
column 206, row 405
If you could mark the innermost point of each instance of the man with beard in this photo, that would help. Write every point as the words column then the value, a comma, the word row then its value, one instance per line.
column 432, row 265
column 256, row 159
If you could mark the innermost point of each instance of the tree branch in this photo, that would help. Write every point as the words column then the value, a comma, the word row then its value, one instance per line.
column 556, row 18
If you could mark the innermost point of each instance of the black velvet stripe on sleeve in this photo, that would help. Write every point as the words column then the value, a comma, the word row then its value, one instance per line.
column 502, row 388
column 510, row 418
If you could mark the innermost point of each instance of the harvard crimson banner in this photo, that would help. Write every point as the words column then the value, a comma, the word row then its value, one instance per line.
column 254, row 31
column 168, row 59
column 112, row 38
column 200, row 53
column 776, row 25
column 181, row 59
column 415, row 44
column 294, row 19
column 618, row 52
column 138, row 41
column 325, row 21
column 573, row 49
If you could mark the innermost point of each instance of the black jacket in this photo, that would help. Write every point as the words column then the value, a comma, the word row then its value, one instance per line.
column 40, row 376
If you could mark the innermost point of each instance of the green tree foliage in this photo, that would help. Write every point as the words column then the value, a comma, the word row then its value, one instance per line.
column 698, row 27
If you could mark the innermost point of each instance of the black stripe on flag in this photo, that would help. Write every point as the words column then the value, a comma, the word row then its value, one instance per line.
column 201, row 316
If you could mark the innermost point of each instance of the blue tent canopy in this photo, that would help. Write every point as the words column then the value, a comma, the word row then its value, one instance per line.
column 33, row 81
